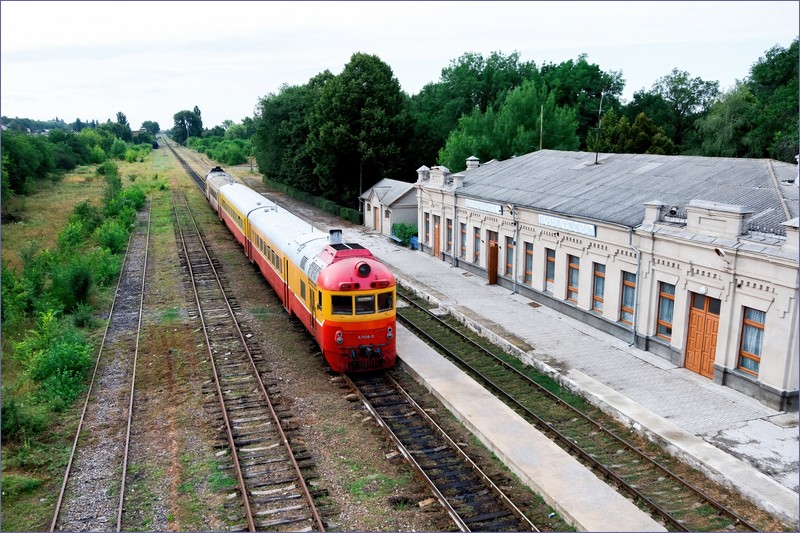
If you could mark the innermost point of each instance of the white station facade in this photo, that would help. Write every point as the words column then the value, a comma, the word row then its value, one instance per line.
column 694, row 259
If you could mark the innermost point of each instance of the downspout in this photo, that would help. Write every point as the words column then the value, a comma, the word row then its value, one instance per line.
column 638, row 282
column 516, row 246
column 455, row 225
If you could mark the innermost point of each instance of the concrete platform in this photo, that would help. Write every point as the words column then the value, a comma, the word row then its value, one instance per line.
column 532, row 456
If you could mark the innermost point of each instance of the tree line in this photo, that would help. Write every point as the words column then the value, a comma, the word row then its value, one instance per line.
column 337, row 135
column 38, row 150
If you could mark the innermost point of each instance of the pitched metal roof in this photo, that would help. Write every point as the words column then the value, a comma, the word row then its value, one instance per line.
column 388, row 191
column 616, row 189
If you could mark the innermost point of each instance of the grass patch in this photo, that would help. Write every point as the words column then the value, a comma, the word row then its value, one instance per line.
column 372, row 486
column 170, row 315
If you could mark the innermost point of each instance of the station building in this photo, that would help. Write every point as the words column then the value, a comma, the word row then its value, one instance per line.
column 694, row 259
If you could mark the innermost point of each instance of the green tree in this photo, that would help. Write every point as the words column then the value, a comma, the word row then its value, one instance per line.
column 151, row 126
column 773, row 81
column 581, row 85
column 186, row 124
column 617, row 135
column 688, row 98
column 529, row 115
column 358, row 129
column 468, row 83
column 281, row 128
column 726, row 130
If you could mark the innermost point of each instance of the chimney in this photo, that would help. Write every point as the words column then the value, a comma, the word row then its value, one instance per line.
column 439, row 175
column 335, row 236
column 423, row 173
column 473, row 162
column 458, row 180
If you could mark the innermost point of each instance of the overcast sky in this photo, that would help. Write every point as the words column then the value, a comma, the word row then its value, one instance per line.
column 151, row 59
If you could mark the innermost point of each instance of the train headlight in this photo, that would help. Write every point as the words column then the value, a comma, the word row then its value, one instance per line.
column 339, row 339
column 363, row 269
column 389, row 333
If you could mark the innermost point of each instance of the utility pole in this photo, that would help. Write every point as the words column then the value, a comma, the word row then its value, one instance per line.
column 599, row 123
column 541, row 125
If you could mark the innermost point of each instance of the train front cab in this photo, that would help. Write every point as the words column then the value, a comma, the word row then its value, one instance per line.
column 359, row 328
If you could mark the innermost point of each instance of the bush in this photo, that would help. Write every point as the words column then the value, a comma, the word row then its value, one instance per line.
column 88, row 215
column 112, row 235
column 83, row 317
column 67, row 352
column 134, row 196
column 17, row 423
column 108, row 168
column 72, row 282
column 97, row 155
column 404, row 231
column 106, row 265
column 71, row 236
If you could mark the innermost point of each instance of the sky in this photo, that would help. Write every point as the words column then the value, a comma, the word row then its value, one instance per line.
column 151, row 59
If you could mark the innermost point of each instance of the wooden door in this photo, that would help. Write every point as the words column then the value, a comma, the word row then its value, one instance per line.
column 491, row 265
column 701, row 342
column 436, row 240
column 376, row 218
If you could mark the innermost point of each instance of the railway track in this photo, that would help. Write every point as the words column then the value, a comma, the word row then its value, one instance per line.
column 188, row 168
column 469, row 496
column 679, row 504
column 270, row 468
column 93, row 490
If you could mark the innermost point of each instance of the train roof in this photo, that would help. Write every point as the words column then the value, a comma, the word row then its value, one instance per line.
column 308, row 247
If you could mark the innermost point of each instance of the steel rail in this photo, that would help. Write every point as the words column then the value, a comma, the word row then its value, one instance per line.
column 566, row 440
column 133, row 377
column 240, row 477
column 68, row 470
column 460, row 523
column 262, row 389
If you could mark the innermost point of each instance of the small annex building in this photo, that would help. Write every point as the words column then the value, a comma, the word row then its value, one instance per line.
column 389, row 202
column 694, row 259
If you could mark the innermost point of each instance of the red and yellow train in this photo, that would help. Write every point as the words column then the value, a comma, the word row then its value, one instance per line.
column 340, row 292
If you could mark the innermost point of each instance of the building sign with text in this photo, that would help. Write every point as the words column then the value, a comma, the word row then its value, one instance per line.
column 569, row 225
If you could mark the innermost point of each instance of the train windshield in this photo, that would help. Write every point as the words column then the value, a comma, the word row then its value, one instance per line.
column 385, row 301
column 342, row 305
column 365, row 305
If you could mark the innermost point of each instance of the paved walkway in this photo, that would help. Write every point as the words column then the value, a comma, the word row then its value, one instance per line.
column 734, row 438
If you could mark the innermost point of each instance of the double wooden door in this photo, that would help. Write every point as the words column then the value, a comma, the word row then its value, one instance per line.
column 701, row 344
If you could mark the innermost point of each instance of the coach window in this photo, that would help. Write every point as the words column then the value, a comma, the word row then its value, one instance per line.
column 342, row 305
column 385, row 301
column 302, row 290
column 365, row 305
column 319, row 301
